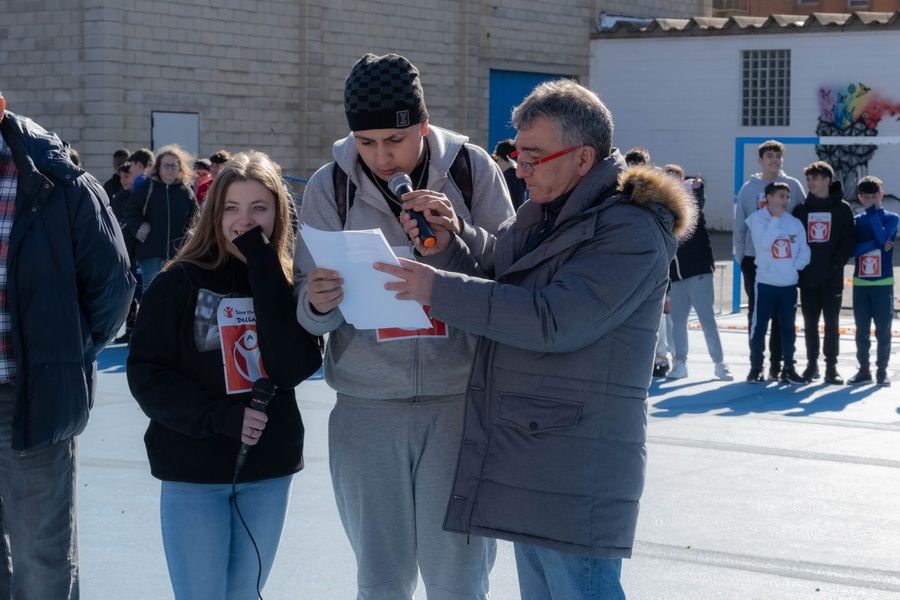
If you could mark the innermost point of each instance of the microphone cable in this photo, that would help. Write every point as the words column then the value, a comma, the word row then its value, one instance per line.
column 237, row 508
column 263, row 391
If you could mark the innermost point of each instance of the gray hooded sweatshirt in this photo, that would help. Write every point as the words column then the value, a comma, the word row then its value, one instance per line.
column 356, row 362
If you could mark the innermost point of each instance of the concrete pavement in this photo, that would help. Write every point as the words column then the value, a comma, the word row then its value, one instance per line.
column 753, row 492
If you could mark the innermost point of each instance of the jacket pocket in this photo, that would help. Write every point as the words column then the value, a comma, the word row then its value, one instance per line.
column 538, row 415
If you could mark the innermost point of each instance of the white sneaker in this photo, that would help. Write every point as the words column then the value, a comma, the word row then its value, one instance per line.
column 679, row 370
column 723, row 372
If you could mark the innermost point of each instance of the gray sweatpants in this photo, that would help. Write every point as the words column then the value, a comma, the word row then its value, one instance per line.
column 392, row 466
column 696, row 291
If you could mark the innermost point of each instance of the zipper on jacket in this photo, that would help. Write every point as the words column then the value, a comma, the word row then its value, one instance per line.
column 415, row 369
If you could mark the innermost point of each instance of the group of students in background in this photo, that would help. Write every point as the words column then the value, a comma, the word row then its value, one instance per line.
column 786, row 240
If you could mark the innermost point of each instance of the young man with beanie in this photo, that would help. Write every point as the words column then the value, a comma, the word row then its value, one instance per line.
column 396, row 428
column 64, row 292
column 750, row 199
column 830, row 233
column 873, row 280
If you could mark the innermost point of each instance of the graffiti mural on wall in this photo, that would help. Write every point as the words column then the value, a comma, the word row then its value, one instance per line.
column 851, row 110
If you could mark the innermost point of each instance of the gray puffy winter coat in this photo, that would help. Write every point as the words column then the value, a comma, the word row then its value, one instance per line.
column 553, row 447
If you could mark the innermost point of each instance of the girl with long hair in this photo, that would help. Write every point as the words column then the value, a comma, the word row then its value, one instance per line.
column 160, row 210
column 225, row 298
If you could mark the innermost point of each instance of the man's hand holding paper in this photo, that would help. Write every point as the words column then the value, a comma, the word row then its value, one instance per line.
column 344, row 277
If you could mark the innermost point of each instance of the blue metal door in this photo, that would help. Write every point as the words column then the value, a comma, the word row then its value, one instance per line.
column 508, row 89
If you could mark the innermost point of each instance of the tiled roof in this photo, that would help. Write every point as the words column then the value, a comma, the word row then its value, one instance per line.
column 742, row 25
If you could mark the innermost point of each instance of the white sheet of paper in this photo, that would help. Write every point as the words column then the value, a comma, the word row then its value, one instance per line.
column 366, row 304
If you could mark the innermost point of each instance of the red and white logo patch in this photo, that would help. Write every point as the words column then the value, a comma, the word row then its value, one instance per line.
column 438, row 329
column 781, row 249
column 818, row 227
column 870, row 264
column 761, row 201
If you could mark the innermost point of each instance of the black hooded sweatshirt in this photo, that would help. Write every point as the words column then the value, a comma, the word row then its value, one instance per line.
column 195, row 427
column 831, row 236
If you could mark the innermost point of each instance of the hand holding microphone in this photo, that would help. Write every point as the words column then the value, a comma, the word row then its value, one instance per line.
column 400, row 184
column 263, row 391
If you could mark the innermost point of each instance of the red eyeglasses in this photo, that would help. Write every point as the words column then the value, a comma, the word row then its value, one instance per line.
column 528, row 167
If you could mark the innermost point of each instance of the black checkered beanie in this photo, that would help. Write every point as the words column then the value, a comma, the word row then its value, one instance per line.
column 383, row 92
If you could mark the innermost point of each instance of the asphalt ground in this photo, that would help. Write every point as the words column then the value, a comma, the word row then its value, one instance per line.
column 752, row 492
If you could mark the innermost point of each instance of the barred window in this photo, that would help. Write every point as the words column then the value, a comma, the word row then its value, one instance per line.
column 766, row 88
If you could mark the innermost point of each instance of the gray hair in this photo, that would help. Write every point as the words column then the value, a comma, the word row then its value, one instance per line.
column 580, row 115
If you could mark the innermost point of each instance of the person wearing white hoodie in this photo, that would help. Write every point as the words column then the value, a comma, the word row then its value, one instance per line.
column 751, row 198
column 396, row 428
column 781, row 251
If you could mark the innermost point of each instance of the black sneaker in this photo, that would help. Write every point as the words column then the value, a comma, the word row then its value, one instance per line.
column 811, row 372
column 755, row 376
column 774, row 371
column 881, row 378
column 661, row 368
column 789, row 375
column 833, row 377
column 862, row 376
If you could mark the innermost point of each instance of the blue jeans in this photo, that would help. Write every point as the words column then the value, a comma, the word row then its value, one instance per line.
column 150, row 267
column 208, row 552
column 773, row 301
column 546, row 574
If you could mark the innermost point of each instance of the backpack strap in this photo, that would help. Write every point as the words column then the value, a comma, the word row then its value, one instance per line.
column 461, row 174
column 344, row 192
column 147, row 199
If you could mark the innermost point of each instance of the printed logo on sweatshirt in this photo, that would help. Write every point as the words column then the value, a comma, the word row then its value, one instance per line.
column 781, row 248
column 438, row 329
column 761, row 201
column 870, row 264
column 241, row 356
column 818, row 227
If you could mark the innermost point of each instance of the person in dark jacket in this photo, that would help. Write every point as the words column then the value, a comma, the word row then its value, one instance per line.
column 692, row 286
column 118, row 203
column 566, row 299
column 831, row 236
column 64, row 292
column 515, row 185
column 160, row 210
column 226, row 297
column 114, row 184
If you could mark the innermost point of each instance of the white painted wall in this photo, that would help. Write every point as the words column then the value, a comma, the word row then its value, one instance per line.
column 680, row 98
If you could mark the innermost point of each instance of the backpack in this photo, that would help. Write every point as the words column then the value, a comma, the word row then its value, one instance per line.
column 460, row 174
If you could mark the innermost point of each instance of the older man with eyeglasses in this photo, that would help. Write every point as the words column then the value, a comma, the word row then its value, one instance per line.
column 566, row 299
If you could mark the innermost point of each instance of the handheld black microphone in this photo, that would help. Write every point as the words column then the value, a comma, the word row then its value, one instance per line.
column 263, row 390
column 400, row 184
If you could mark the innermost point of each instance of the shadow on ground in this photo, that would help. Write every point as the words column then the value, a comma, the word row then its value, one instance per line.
column 739, row 398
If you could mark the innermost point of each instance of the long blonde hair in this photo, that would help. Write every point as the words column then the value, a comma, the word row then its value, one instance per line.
column 206, row 244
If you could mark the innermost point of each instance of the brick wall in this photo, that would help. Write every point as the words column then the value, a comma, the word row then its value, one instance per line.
column 270, row 74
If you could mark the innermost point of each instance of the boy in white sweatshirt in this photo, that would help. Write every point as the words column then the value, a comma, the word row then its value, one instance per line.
column 779, row 241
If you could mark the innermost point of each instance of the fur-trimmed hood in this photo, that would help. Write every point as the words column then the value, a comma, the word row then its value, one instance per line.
column 646, row 186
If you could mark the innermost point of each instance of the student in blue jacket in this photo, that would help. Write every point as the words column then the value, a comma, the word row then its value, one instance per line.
column 873, row 280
